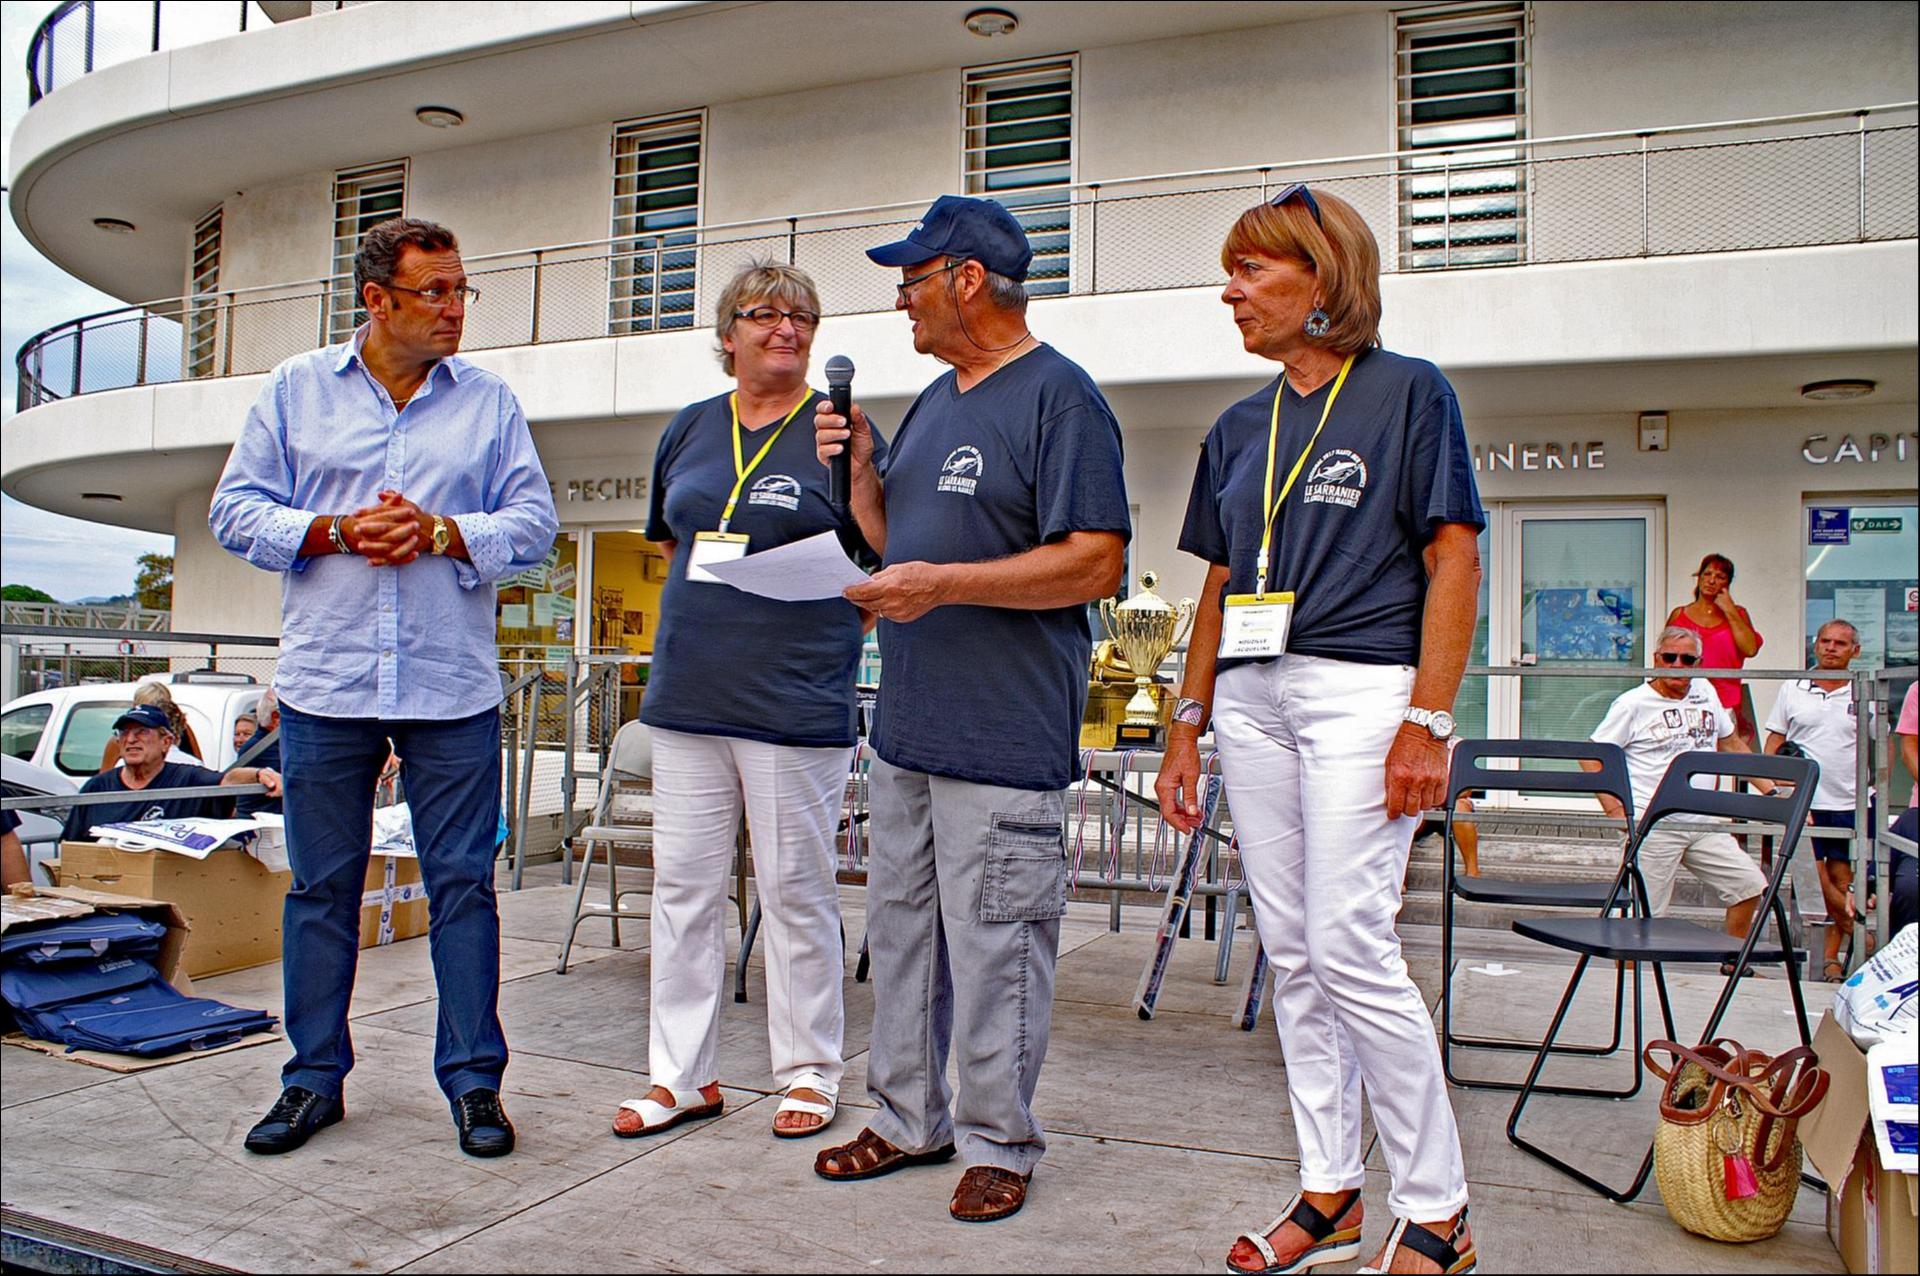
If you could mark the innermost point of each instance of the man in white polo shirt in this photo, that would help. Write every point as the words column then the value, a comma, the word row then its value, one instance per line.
column 1819, row 716
column 1655, row 723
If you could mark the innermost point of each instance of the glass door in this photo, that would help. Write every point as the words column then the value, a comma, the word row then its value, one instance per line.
column 1584, row 585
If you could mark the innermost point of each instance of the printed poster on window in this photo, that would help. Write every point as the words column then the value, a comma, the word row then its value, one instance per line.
column 1866, row 611
column 1588, row 625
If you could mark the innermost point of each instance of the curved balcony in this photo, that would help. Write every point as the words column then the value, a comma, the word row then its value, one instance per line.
column 82, row 36
column 1787, row 182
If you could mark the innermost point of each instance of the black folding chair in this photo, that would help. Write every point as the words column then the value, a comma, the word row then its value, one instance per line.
column 1658, row 940
column 1471, row 772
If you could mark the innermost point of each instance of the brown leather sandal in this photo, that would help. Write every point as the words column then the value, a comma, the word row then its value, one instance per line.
column 869, row 1157
column 987, row 1192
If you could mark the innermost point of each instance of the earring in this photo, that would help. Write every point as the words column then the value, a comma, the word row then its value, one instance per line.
column 1318, row 324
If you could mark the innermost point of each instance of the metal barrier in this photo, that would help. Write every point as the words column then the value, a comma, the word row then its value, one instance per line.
column 1784, row 181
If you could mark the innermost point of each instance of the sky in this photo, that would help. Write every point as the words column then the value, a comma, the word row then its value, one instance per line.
column 66, row 557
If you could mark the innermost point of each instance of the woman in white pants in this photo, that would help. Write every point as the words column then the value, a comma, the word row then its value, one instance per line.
column 752, row 707
column 1337, row 510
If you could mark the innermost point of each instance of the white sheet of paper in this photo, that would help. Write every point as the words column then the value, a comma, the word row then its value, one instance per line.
column 796, row 572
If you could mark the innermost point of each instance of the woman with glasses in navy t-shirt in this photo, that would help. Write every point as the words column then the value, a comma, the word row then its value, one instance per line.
column 751, row 704
column 1337, row 512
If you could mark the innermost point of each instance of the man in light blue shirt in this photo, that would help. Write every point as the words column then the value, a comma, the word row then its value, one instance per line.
column 391, row 483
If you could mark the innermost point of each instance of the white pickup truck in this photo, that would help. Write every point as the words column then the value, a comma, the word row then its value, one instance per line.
column 66, row 729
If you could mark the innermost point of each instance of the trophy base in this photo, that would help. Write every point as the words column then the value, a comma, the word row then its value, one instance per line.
column 1139, row 735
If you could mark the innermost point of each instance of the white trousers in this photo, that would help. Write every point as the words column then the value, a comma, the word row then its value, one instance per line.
column 793, row 798
column 1303, row 747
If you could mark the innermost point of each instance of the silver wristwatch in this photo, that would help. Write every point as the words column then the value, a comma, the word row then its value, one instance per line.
column 1438, row 722
column 1190, row 711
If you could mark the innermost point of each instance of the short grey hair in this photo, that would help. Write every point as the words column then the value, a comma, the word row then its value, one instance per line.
column 1672, row 632
column 1852, row 629
column 759, row 281
column 1006, row 294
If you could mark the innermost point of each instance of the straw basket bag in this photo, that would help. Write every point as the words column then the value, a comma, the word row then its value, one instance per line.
column 1726, row 1155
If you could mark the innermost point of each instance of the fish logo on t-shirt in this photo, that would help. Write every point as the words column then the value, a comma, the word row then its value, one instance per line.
column 962, row 469
column 1339, row 477
column 782, row 490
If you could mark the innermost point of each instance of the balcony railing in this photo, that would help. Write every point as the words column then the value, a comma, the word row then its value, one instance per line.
column 83, row 36
column 1833, row 178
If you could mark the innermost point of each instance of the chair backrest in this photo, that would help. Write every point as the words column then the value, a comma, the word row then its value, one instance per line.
column 1470, row 770
column 632, row 753
column 1677, row 794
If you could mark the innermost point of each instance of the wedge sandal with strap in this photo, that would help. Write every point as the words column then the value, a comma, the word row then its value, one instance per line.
column 1331, row 1243
column 869, row 1157
column 1443, row 1250
column 808, row 1107
column 656, row 1117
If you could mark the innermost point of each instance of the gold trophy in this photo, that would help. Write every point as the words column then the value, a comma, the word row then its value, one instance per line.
column 1145, row 628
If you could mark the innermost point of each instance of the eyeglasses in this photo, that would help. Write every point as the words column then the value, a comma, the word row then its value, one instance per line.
column 1286, row 193
column 770, row 317
column 1676, row 658
column 439, row 297
column 906, row 284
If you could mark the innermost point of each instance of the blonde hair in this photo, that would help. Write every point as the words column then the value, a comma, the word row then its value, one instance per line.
column 156, row 694
column 1339, row 249
column 759, row 281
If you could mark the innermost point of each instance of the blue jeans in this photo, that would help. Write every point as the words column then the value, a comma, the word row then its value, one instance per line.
column 451, row 771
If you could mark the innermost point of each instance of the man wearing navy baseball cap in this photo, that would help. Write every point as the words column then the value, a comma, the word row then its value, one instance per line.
column 999, row 513
column 145, row 734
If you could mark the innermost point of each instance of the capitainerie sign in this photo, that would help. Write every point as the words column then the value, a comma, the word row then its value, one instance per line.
column 1820, row 449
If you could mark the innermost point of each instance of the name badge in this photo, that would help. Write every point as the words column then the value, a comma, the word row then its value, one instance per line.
column 714, row 547
column 1255, row 628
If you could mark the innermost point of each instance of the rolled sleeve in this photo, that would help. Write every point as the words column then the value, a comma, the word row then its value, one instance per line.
column 252, row 514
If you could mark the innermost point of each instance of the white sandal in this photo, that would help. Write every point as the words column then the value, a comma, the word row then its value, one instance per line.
column 1330, row 1243
column 826, row 1111
column 1430, row 1244
column 656, row 1116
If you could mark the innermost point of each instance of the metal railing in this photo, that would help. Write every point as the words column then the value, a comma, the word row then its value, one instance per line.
column 82, row 36
column 123, row 616
column 1783, row 181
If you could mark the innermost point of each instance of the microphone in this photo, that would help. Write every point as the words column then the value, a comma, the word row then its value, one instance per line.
column 840, row 468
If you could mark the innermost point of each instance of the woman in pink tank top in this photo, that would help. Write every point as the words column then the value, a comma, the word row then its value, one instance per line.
column 1727, row 637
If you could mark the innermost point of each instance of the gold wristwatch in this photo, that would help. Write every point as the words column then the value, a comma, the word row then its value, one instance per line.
column 442, row 535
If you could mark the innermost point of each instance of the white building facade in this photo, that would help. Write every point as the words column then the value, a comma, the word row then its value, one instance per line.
column 1665, row 251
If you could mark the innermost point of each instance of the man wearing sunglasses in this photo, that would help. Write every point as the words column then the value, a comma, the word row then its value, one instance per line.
column 390, row 484
column 1670, row 714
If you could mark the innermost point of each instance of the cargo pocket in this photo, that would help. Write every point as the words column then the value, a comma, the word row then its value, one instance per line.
column 1026, row 872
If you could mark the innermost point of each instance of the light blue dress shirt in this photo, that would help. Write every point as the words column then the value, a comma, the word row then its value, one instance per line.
column 324, row 438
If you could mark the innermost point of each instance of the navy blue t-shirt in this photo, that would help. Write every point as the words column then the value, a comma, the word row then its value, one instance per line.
column 995, row 694
column 1390, row 467
column 138, row 806
column 731, row 663
column 254, row 803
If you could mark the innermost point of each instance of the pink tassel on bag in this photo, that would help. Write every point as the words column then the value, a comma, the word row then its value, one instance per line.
column 1739, row 1176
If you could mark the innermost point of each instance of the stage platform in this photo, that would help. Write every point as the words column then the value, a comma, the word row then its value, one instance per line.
column 1165, row 1137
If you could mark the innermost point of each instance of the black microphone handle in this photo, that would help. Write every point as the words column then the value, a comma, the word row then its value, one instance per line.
column 840, row 468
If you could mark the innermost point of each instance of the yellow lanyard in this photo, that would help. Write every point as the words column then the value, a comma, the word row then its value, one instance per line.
column 1273, row 446
column 741, row 471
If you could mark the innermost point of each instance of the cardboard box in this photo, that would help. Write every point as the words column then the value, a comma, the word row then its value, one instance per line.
column 45, row 903
column 231, row 900
column 1873, row 1214
column 234, row 903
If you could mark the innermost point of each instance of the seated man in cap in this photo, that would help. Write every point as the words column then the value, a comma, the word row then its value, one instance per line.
column 144, row 734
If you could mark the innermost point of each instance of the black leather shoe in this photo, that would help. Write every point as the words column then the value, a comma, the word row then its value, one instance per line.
column 292, row 1120
column 483, row 1125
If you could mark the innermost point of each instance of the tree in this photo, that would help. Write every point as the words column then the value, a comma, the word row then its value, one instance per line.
column 25, row 594
column 153, row 586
